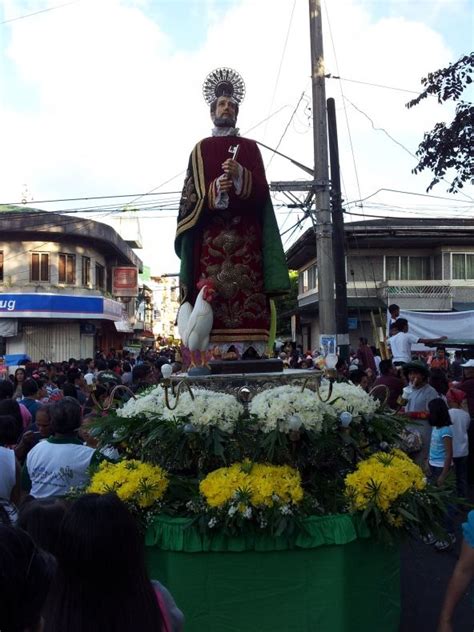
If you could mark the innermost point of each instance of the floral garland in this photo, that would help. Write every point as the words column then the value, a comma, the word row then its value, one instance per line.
column 140, row 484
column 286, row 408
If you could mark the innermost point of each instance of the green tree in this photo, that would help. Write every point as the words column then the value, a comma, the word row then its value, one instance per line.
column 286, row 305
column 449, row 146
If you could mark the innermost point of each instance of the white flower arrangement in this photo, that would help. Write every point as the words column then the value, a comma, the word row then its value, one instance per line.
column 208, row 408
column 286, row 408
column 149, row 404
column 347, row 397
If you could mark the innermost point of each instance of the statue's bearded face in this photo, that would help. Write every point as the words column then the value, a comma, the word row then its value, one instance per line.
column 225, row 114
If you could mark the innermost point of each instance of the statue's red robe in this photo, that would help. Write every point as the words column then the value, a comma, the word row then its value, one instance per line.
column 239, row 248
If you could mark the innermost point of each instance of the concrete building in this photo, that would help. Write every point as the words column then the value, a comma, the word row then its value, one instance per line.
column 56, row 285
column 166, row 304
column 419, row 264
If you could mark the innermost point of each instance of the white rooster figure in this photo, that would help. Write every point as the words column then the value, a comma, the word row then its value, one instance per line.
column 195, row 323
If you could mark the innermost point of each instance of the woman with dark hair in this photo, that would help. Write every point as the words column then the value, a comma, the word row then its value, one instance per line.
column 25, row 579
column 41, row 518
column 102, row 582
column 19, row 378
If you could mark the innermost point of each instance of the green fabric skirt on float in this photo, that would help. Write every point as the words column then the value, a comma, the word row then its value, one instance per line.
column 332, row 578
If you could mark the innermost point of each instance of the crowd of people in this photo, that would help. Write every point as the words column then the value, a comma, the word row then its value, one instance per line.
column 57, row 555
column 46, row 448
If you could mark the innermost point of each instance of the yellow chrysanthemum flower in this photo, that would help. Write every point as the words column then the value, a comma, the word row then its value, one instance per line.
column 265, row 484
column 382, row 479
column 132, row 481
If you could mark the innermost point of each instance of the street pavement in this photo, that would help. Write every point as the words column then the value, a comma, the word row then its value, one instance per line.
column 424, row 576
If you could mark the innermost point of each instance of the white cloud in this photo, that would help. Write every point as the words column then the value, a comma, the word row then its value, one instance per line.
column 116, row 104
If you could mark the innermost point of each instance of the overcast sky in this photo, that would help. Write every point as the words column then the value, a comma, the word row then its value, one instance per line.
column 104, row 98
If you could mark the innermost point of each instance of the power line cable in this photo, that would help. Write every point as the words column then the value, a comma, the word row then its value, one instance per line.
column 285, row 130
column 29, row 15
column 281, row 63
column 184, row 171
column 381, row 129
column 90, row 197
column 68, row 222
column 428, row 195
column 350, row 140
column 367, row 83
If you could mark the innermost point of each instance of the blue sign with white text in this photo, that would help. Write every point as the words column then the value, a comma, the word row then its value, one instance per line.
column 58, row 305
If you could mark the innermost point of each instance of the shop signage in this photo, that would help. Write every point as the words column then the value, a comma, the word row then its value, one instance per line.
column 124, row 281
column 59, row 306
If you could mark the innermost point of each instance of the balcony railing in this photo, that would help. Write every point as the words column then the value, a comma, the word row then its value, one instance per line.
column 434, row 289
column 435, row 295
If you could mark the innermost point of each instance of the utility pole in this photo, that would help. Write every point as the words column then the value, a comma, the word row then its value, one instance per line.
column 342, row 326
column 327, row 324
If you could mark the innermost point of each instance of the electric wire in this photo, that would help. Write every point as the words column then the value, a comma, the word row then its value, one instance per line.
column 89, row 197
column 29, row 15
column 285, row 130
column 349, row 137
column 382, row 129
column 281, row 63
column 429, row 195
column 367, row 83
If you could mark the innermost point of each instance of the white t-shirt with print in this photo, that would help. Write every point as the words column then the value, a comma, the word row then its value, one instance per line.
column 55, row 465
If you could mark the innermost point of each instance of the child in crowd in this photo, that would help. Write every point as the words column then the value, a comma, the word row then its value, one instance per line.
column 461, row 422
column 440, row 459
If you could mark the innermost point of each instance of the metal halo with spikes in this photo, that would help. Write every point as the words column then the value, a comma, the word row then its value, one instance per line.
column 223, row 81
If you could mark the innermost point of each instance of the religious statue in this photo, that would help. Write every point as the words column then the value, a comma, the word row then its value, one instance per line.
column 227, row 236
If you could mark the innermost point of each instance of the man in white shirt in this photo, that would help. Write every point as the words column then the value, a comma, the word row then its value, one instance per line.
column 401, row 342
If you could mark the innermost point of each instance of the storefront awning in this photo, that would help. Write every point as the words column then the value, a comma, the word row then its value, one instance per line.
column 123, row 326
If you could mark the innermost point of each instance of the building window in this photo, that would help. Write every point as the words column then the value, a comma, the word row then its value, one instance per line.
column 1, row 266
column 99, row 277
column 67, row 269
column 308, row 279
column 86, row 271
column 39, row 266
column 462, row 267
column 407, row 268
